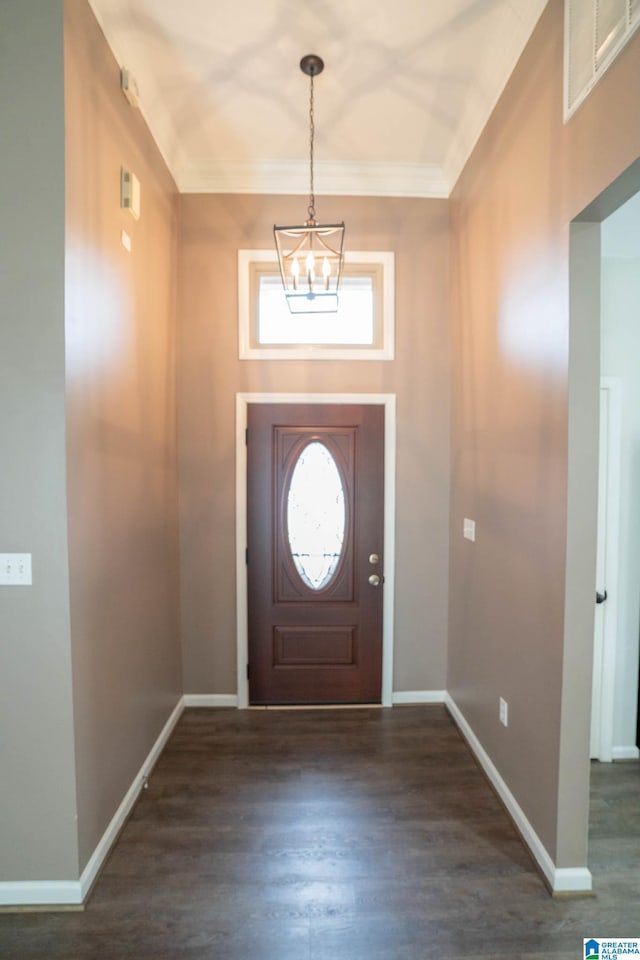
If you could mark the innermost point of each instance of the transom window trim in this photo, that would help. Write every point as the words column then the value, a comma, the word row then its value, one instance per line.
column 376, row 266
column 595, row 32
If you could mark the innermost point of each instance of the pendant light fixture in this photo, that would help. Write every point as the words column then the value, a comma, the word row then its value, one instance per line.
column 310, row 255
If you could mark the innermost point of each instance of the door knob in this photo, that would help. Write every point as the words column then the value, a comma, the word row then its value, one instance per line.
column 374, row 580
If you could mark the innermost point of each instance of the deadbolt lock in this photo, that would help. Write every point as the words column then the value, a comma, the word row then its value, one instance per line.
column 373, row 559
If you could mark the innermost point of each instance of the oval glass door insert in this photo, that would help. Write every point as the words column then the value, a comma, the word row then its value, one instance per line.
column 316, row 516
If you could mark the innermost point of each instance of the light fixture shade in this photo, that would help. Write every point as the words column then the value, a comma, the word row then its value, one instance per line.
column 310, row 260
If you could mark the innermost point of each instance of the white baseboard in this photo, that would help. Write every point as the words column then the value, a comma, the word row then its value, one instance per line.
column 625, row 753
column 560, row 879
column 419, row 696
column 572, row 880
column 40, row 893
column 110, row 835
column 73, row 892
column 210, row 700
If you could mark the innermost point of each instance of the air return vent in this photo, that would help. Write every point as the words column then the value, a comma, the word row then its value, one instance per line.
column 595, row 32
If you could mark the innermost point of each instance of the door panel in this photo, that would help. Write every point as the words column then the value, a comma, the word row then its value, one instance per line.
column 315, row 620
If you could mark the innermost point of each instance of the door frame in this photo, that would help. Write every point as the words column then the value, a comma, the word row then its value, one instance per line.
column 606, row 616
column 386, row 400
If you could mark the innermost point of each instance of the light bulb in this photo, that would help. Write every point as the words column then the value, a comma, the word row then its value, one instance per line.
column 295, row 272
column 311, row 269
column 326, row 272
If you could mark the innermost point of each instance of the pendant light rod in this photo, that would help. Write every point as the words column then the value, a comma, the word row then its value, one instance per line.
column 311, row 65
column 310, row 255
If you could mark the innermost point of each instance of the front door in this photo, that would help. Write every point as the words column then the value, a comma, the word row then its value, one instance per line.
column 315, row 518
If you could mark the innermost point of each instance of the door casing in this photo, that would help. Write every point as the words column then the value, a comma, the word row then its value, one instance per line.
column 388, row 401
column 606, row 615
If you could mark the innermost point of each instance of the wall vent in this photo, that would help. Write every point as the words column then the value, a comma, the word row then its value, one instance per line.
column 595, row 31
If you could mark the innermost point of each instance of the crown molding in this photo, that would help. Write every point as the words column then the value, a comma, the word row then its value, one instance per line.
column 493, row 77
column 353, row 179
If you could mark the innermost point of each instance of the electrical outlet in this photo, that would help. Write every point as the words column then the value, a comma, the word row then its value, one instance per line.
column 504, row 712
column 15, row 569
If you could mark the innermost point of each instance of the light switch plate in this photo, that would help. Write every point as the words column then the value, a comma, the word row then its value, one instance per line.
column 130, row 193
column 15, row 570
column 129, row 87
column 504, row 712
column 469, row 529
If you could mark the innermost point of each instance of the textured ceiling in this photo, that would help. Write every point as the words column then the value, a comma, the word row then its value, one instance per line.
column 407, row 87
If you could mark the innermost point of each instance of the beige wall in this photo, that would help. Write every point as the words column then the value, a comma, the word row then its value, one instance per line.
column 511, row 209
column 121, row 448
column 213, row 228
column 37, row 788
column 522, row 398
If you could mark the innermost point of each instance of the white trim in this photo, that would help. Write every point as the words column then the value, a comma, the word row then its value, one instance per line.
column 388, row 400
column 372, row 258
column 39, row 893
column 118, row 820
column 419, row 696
column 598, row 70
column 605, row 653
column 625, row 753
column 74, row 892
column 572, row 880
column 560, row 879
column 509, row 40
column 291, row 177
column 388, row 636
column 210, row 700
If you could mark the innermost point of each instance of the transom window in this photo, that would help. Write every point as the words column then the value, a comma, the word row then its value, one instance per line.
column 362, row 329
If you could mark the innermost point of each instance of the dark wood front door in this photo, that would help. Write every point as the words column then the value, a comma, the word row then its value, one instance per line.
column 315, row 502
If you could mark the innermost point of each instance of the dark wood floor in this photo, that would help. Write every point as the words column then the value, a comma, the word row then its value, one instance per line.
column 335, row 835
